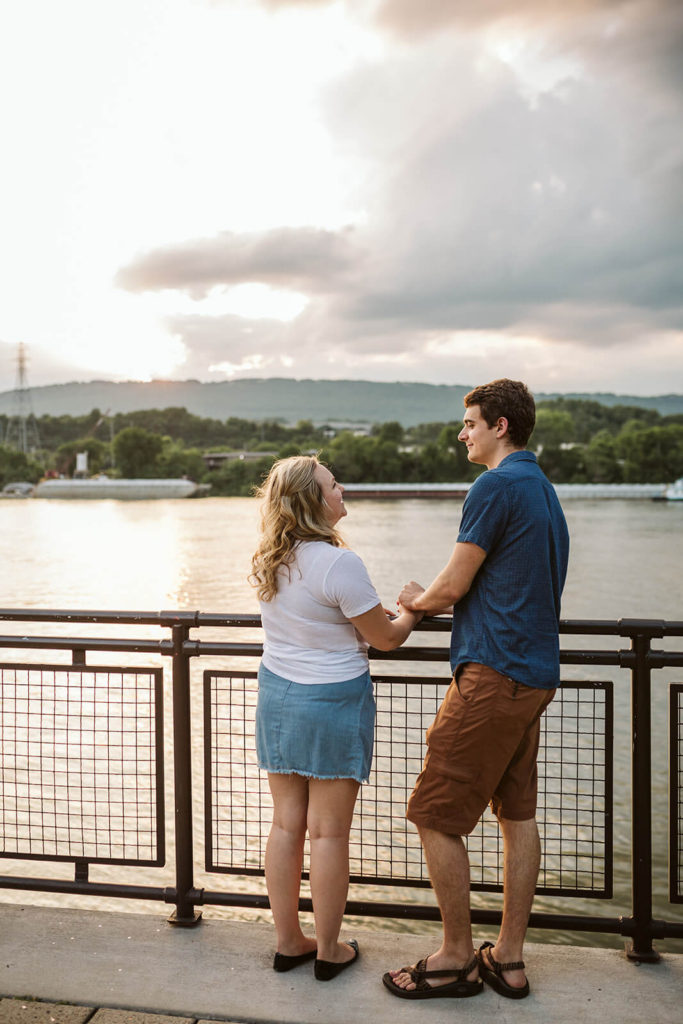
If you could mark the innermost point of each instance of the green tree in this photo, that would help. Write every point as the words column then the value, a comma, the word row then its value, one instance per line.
column 175, row 461
column 238, row 477
column 448, row 437
column 424, row 432
column 57, row 430
column 563, row 465
column 351, row 458
column 553, row 428
column 136, row 452
column 387, row 464
column 601, row 455
column 462, row 468
column 288, row 450
column 391, row 431
column 17, row 467
column 651, row 455
column 98, row 452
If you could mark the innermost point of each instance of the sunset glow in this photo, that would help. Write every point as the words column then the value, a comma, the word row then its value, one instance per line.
column 218, row 188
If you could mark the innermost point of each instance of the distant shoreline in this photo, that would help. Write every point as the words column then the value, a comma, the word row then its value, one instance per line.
column 459, row 490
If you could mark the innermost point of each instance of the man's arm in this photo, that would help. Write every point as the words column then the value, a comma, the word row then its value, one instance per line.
column 450, row 586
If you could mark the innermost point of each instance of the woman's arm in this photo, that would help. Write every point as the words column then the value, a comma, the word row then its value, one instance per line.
column 382, row 632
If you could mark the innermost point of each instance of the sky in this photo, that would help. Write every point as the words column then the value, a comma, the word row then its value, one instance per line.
column 445, row 191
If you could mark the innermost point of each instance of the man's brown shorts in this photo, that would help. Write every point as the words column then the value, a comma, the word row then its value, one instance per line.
column 481, row 748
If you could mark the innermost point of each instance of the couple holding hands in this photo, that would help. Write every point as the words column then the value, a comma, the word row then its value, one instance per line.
column 316, row 710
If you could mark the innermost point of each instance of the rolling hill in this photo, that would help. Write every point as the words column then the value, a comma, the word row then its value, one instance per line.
column 323, row 401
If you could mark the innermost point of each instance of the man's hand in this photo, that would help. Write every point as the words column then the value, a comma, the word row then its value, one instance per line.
column 409, row 595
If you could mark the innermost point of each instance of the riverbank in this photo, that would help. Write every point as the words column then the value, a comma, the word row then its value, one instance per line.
column 221, row 970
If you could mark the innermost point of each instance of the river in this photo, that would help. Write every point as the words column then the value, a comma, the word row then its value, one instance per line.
column 625, row 563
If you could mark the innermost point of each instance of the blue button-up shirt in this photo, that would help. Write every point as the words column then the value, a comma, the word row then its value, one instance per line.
column 509, row 619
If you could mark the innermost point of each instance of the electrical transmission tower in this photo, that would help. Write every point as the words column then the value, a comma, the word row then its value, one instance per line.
column 22, row 428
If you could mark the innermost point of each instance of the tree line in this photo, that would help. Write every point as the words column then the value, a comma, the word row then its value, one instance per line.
column 576, row 441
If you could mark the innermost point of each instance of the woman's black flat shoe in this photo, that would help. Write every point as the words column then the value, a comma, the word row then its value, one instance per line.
column 285, row 963
column 325, row 970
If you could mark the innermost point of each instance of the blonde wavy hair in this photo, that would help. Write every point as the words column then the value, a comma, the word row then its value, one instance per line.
column 293, row 509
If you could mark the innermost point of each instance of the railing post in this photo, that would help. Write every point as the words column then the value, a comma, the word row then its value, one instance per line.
column 185, row 913
column 641, row 947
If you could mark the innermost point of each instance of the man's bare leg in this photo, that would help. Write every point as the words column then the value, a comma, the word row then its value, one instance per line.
column 449, row 871
column 522, row 860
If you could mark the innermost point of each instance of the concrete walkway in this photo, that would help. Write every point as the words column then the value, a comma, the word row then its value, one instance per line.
column 111, row 968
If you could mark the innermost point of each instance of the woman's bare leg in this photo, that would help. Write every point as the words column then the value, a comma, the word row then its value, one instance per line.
column 330, row 813
column 284, row 855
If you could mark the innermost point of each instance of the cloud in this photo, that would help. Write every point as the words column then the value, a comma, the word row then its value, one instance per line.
column 407, row 18
column 301, row 259
column 275, row 5
column 525, row 189
column 411, row 20
column 499, row 206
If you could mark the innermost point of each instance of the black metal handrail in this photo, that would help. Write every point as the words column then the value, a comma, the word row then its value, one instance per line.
column 640, row 659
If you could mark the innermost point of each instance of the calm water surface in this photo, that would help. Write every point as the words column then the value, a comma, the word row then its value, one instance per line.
column 626, row 559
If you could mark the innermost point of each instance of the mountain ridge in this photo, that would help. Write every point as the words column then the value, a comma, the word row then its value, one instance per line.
column 290, row 400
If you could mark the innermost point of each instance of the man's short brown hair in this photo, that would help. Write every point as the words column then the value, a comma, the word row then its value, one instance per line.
column 511, row 399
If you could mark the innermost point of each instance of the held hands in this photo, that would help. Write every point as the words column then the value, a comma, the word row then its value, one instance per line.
column 402, row 610
column 411, row 591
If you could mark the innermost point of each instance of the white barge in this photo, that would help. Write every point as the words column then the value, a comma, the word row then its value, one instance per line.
column 103, row 487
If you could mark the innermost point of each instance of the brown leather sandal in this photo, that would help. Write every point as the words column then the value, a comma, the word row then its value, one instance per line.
column 458, row 989
column 492, row 973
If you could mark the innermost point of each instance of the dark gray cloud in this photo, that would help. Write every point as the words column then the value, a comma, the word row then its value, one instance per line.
column 302, row 259
column 501, row 206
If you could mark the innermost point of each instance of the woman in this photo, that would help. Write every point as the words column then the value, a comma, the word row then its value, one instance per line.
column 315, row 712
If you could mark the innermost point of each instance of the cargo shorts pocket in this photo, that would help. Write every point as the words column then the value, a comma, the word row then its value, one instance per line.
column 440, row 764
column 451, row 717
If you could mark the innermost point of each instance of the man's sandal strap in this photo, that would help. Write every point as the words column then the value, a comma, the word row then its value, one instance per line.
column 518, row 965
column 419, row 972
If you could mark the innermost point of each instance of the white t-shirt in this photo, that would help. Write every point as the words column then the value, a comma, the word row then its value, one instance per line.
column 308, row 636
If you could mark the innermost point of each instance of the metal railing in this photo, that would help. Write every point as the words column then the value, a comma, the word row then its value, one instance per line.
column 575, row 789
column 82, row 761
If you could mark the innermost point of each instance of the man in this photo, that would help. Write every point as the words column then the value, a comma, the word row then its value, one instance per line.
column 505, row 579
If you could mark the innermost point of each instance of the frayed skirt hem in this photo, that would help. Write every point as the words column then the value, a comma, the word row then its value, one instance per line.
column 310, row 775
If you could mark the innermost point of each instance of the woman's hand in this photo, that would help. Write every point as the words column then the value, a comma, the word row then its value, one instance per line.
column 383, row 630
column 402, row 610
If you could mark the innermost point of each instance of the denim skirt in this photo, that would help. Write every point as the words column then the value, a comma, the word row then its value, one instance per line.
column 320, row 730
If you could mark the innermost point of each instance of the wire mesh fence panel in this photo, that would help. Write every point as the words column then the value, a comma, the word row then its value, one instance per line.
column 81, row 764
column 676, row 793
column 237, row 804
column 575, row 791
column 575, row 788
